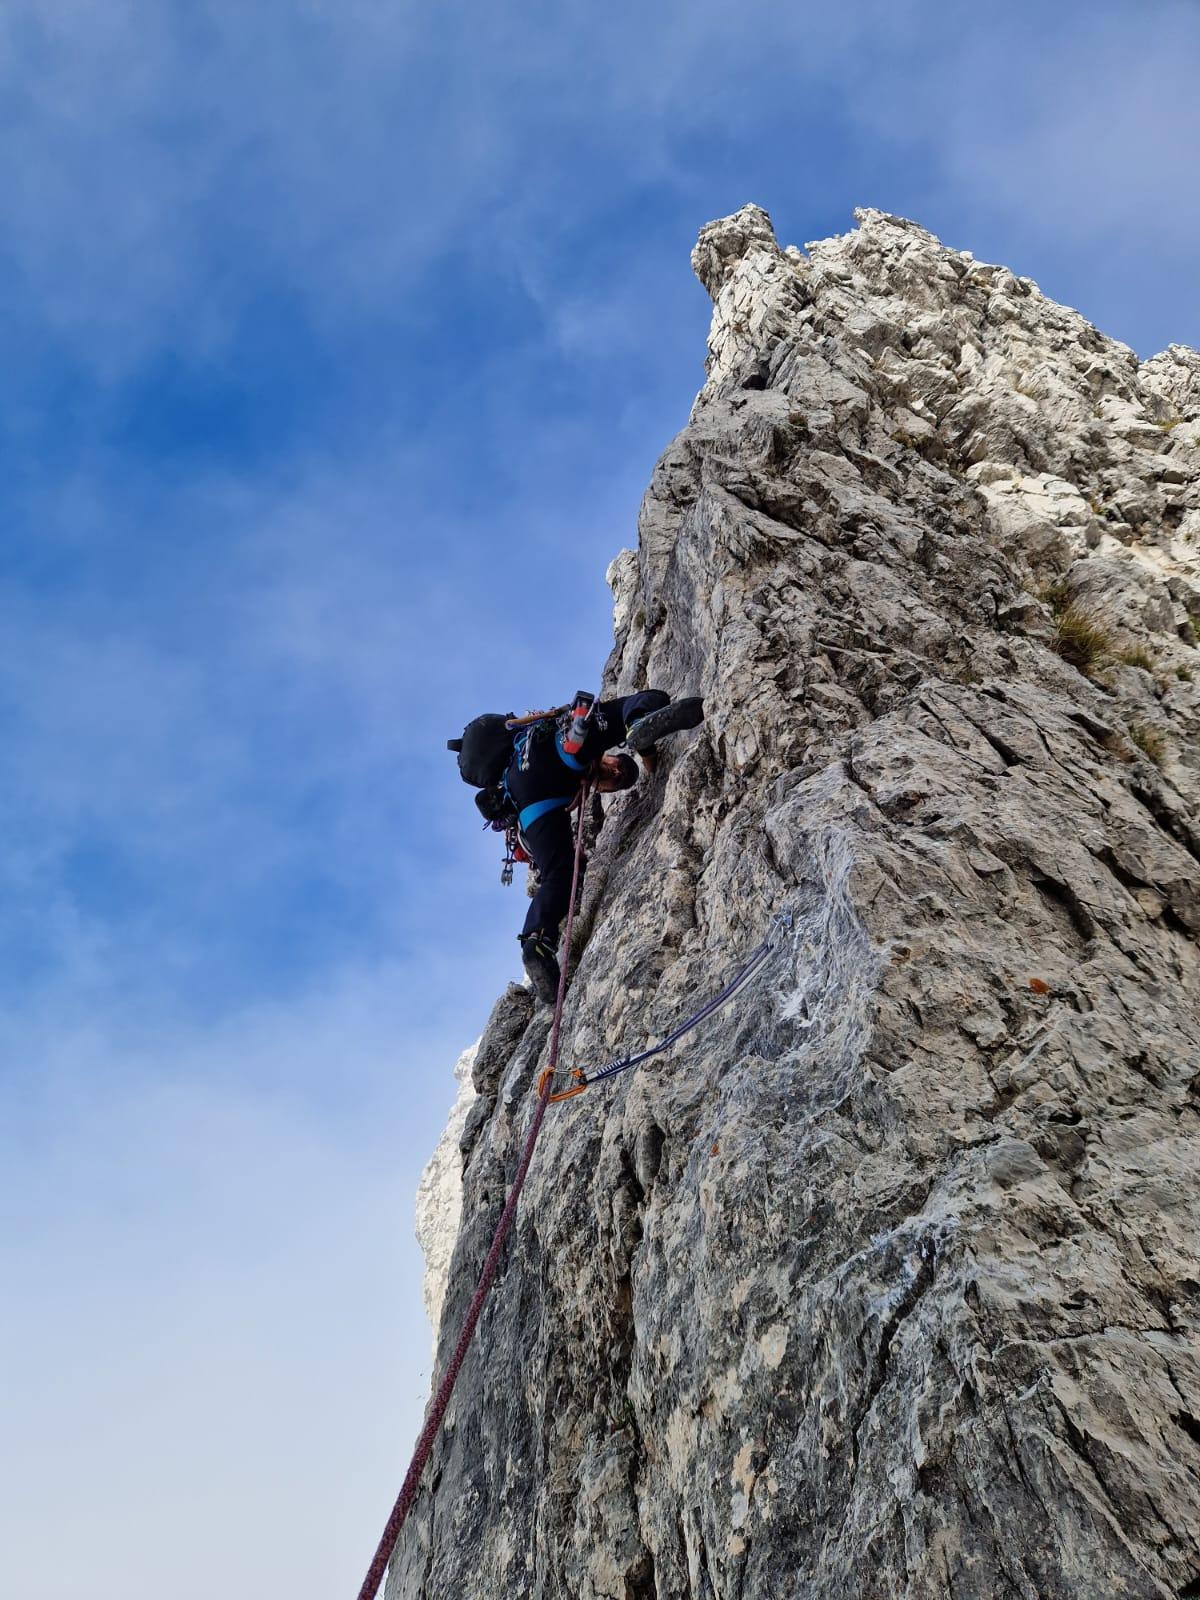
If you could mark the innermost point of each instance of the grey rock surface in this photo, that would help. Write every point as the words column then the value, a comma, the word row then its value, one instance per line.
column 888, row 1284
column 439, row 1193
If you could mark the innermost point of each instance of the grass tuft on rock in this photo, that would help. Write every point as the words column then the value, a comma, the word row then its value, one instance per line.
column 1137, row 656
column 1079, row 639
column 1055, row 595
column 1151, row 741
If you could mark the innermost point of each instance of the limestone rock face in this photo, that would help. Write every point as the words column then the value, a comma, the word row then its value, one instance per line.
column 439, row 1193
column 888, row 1282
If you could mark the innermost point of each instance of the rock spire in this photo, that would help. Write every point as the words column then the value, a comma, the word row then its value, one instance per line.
column 888, row 1285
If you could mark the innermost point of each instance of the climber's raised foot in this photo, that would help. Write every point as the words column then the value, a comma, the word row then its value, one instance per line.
column 647, row 730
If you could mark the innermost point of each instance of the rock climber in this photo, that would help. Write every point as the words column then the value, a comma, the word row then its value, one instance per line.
column 530, row 776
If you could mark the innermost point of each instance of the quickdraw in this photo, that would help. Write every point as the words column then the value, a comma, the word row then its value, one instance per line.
column 581, row 1080
column 514, row 852
column 441, row 1399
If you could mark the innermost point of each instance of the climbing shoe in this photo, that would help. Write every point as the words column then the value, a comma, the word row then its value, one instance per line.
column 655, row 725
column 541, row 966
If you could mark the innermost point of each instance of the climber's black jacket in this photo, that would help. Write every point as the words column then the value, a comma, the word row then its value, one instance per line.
column 542, row 781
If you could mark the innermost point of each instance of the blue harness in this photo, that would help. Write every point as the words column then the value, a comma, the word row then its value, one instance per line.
column 539, row 808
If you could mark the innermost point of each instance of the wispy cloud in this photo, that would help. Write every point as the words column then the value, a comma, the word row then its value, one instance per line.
column 191, row 1344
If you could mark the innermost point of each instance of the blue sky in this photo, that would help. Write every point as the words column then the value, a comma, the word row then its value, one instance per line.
column 338, row 342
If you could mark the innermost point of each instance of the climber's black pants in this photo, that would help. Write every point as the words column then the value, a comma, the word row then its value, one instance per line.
column 549, row 840
column 610, row 720
column 551, row 843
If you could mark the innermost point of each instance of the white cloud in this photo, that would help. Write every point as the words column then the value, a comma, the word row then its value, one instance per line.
column 212, row 1351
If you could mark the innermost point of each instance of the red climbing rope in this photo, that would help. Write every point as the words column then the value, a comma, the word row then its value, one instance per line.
column 437, row 1410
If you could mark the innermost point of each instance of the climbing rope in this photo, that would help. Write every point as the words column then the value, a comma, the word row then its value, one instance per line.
column 750, row 967
column 581, row 1081
column 531, row 717
column 437, row 1410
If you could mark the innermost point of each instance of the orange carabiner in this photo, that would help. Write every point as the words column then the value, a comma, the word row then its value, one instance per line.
column 579, row 1086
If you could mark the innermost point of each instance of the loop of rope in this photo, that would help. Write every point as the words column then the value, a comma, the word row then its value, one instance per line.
column 437, row 1409
column 531, row 717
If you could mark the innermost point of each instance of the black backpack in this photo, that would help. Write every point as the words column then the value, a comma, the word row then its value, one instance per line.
column 485, row 749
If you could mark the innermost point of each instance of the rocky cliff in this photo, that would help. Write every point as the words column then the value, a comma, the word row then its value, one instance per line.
column 889, row 1283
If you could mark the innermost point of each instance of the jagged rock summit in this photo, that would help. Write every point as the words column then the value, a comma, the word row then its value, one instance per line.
column 889, row 1283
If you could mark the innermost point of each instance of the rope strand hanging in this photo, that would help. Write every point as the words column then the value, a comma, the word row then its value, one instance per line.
column 753, row 965
column 437, row 1409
